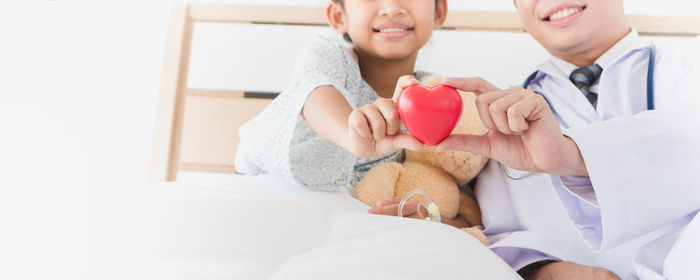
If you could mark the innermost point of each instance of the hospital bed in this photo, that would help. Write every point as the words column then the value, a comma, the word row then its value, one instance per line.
column 200, row 220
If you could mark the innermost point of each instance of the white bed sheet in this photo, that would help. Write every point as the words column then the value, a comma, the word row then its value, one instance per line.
column 272, row 187
column 259, row 227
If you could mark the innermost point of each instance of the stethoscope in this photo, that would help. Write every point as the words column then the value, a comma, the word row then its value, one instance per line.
column 650, row 104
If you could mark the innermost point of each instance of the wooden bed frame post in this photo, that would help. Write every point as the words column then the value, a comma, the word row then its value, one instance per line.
column 210, row 125
column 171, row 101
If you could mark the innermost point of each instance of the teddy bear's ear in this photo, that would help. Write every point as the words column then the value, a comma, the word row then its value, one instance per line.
column 432, row 80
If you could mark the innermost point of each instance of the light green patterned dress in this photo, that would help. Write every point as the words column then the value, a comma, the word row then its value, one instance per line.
column 279, row 141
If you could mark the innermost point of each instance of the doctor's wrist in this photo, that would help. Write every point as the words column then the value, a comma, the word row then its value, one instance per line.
column 573, row 163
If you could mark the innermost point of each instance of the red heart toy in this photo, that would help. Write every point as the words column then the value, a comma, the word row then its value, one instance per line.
column 430, row 114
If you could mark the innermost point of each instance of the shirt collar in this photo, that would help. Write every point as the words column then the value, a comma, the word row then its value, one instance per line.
column 628, row 44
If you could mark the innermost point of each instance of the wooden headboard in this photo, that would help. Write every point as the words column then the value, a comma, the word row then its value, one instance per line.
column 197, row 129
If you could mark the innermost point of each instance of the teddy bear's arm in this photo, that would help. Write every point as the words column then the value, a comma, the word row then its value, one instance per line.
column 477, row 234
column 469, row 209
column 379, row 183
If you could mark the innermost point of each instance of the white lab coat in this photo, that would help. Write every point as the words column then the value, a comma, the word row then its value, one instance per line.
column 644, row 168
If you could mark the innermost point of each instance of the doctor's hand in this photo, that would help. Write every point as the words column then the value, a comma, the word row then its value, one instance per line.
column 523, row 132
column 375, row 130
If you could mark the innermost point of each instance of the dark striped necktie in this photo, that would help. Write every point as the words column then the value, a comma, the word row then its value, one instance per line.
column 584, row 78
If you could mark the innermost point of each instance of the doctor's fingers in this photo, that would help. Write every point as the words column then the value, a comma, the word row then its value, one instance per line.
column 526, row 110
column 403, row 82
column 475, row 85
column 483, row 102
column 478, row 144
column 375, row 119
column 389, row 112
column 501, row 108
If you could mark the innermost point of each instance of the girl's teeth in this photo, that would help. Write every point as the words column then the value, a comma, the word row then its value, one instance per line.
column 564, row 13
column 392, row 30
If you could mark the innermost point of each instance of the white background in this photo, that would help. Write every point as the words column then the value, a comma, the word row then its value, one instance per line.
column 78, row 89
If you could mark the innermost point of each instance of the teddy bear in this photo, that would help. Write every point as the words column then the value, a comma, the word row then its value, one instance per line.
column 438, row 173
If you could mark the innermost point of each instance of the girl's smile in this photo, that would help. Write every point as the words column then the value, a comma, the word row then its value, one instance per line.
column 387, row 30
column 393, row 30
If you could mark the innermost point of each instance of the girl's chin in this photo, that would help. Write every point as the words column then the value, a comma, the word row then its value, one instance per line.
column 395, row 54
column 388, row 52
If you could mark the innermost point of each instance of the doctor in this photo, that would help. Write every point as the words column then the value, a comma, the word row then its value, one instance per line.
column 597, row 161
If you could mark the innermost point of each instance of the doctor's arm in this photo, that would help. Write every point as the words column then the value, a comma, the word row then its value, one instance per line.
column 642, row 167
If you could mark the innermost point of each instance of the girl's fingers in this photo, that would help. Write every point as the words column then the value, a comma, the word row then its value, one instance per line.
column 405, row 141
column 388, row 210
column 358, row 123
column 396, row 142
column 376, row 121
column 390, row 201
column 388, row 110
column 404, row 81
column 410, row 209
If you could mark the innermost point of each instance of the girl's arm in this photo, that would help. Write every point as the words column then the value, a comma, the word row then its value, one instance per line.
column 326, row 111
column 372, row 130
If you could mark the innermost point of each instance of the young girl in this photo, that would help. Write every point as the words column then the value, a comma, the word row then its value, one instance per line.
column 337, row 119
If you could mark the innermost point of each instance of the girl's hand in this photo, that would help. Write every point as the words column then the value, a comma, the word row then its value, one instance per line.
column 375, row 129
column 390, row 207
column 376, row 120
column 403, row 83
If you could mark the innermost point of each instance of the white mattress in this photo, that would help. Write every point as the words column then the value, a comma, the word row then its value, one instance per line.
column 259, row 227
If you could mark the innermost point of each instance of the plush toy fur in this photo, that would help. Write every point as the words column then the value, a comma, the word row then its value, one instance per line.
column 439, row 174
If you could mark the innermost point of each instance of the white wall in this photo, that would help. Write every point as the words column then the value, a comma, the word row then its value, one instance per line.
column 78, row 88
column 262, row 57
